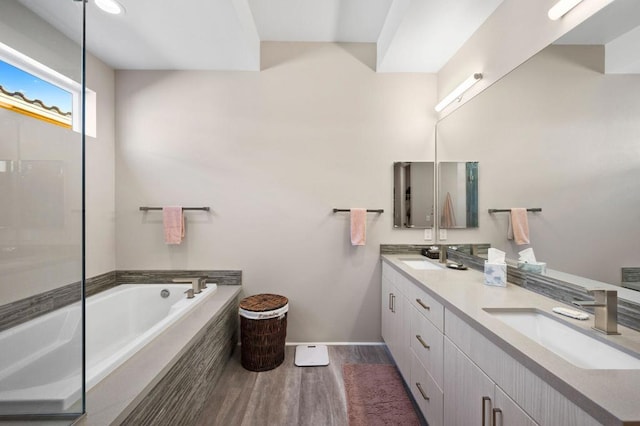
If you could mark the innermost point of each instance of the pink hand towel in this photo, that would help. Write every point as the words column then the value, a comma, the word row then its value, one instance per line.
column 518, row 226
column 448, row 215
column 173, row 222
column 358, row 226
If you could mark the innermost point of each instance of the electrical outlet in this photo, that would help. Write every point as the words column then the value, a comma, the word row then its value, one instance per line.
column 428, row 234
column 443, row 234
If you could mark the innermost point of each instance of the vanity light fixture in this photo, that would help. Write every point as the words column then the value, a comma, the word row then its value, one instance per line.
column 562, row 8
column 459, row 91
column 110, row 6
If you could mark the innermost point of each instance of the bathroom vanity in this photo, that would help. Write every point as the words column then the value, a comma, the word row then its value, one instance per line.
column 458, row 347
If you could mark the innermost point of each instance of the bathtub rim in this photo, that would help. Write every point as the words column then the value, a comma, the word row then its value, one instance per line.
column 114, row 398
column 61, row 395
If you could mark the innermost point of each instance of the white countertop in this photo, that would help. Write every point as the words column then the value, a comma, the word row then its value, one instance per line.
column 601, row 393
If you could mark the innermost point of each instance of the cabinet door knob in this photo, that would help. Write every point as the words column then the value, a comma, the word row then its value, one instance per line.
column 484, row 405
column 495, row 413
column 421, row 303
column 422, row 392
column 422, row 342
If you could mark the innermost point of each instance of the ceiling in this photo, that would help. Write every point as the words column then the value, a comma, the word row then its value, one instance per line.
column 617, row 27
column 411, row 35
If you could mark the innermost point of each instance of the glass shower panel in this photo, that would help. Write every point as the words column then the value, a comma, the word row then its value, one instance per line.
column 41, row 211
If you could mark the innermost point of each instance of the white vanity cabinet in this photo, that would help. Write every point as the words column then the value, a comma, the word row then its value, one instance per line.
column 473, row 398
column 412, row 323
column 455, row 372
column 522, row 397
column 395, row 318
column 427, row 394
column 427, row 344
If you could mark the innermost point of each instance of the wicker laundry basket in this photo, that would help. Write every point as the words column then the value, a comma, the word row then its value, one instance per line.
column 263, row 330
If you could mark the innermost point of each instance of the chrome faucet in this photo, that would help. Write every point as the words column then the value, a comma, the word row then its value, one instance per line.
column 605, row 310
column 203, row 283
column 195, row 283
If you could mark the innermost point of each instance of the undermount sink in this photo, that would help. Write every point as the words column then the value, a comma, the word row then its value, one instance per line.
column 420, row 264
column 561, row 338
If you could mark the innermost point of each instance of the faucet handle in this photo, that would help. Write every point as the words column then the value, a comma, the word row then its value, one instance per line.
column 594, row 291
column 203, row 282
column 189, row 293
column 604, row 296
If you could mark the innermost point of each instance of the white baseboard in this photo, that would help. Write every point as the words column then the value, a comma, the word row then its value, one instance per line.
column 337, row 343
column 333, row 343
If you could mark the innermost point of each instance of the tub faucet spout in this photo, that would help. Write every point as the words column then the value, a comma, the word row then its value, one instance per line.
column 195, row 283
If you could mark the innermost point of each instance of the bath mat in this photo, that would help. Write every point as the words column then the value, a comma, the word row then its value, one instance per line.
column 376, row 396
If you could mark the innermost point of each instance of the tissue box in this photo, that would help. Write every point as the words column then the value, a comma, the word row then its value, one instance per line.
column 537, row 267
column 495, row 274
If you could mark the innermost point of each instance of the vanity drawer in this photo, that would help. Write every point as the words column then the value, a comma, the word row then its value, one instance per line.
column 427, row 343
column 426, row 305
column 427, row 394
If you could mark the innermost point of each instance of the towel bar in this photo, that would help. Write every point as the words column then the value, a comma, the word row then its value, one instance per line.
column 368, row 210
column 535, row 209
column 206, row 209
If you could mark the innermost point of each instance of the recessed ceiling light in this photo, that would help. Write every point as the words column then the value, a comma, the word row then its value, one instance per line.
column 110, row 6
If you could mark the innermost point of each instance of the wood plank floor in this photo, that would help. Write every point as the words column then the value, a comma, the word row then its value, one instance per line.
column 287, row 395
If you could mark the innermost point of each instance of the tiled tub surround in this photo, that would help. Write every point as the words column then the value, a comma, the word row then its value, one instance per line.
column 12, row 314
column 222, row 277
column 608, row 396
column 23, row 310
column 169, row 378
column 116, row 396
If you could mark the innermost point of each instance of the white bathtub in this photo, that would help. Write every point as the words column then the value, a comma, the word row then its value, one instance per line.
column 40, row 360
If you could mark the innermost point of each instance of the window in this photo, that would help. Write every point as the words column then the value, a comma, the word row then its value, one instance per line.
column 31, row 88
column 27, row 94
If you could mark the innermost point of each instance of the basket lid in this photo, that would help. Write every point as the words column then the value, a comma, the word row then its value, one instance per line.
column 263, row 302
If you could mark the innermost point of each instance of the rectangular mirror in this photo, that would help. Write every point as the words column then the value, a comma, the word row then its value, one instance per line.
column 413, row 197
column 458, row 194
column 561, row 104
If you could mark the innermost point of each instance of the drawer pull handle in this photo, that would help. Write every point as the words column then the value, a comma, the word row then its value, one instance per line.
column 390, row 295
column 421, row 303
column 484, row 415
column 422, row 342
column 424, row 395
column 393, row 303
column 495, row 413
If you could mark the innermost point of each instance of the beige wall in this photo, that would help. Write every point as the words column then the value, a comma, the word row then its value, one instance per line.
column 100, row 173
column 558, row 134
column 272, row 153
